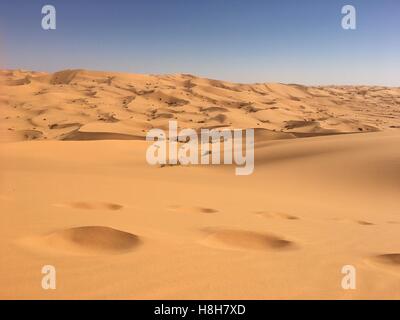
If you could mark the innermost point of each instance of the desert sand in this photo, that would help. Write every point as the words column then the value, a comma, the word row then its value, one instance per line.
column 77, row 193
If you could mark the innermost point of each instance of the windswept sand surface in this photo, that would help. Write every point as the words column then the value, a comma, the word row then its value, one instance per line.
column 82, row 197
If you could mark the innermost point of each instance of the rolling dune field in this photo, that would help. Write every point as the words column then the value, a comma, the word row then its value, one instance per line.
column 76, row 191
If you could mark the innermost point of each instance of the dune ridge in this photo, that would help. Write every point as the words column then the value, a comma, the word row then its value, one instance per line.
column 39, row 106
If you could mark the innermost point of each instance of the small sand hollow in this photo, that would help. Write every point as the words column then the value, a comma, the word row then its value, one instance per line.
column 92, row 240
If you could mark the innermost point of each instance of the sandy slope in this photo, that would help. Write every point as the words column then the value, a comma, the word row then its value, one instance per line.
column 115, row 227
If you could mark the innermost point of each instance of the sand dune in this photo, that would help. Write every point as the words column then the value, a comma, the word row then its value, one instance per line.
column 54, row 106
column 76, row 191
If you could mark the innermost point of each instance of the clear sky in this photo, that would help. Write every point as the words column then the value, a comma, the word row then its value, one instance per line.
column 288, row 41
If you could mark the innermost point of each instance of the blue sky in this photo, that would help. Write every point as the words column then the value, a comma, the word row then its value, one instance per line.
column 287, row 41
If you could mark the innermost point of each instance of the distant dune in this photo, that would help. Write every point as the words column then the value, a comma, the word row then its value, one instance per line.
column 66, row 104
column 76, row 191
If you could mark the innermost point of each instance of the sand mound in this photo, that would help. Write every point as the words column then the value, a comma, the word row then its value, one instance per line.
column 93, row 240
column 247, row 240
column 63, row 77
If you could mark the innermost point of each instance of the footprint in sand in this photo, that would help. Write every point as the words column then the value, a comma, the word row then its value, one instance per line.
column 360, row 222
column 181, row 209
column 91, row 205
column 245, row 240
column 392, row 259
column 267, row 214
column 206, row 210
column 89, row 240
column 364, row 223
